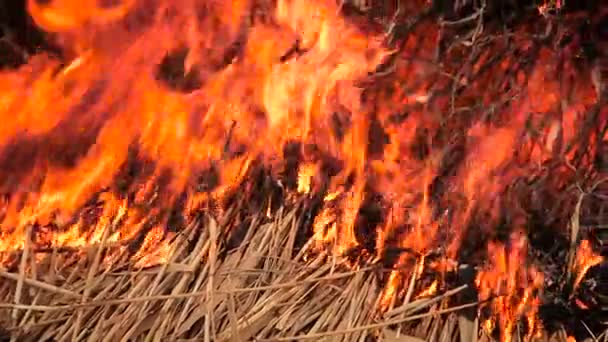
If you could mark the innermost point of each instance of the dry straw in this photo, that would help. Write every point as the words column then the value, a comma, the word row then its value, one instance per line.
column 264, row 290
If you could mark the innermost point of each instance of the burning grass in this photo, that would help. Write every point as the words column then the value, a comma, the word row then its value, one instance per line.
column 269, row 288
column 302, row 170
column 247, row 276
column 261, row 290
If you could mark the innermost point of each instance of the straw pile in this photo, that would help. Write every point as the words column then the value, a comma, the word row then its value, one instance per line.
column 266, row 289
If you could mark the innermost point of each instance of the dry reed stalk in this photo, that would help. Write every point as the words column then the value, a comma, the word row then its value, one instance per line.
column 22, row 271
column 468, row 329
column 38, row 284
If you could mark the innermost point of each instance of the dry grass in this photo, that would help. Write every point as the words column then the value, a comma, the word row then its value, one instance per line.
column 264, row 291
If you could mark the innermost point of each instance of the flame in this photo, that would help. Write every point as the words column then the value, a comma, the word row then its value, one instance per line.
column 512, row 290
column 584, row 260
column 104, row 148
column 64, row 15
column 305, row 177
column 429, row 291
column 131, row 108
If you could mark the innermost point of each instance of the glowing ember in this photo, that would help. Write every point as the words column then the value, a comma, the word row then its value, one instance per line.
column 548, row 6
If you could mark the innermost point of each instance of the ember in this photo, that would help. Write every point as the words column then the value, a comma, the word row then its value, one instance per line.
column 297, row 169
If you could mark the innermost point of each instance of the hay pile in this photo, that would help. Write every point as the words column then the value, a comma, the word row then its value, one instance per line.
column 258, row 290
column 263, row 290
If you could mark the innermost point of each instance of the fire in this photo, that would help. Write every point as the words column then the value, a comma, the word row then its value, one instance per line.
column 429, row 291
column 109, row 94
column 512, row 290
column 584, row 260
column 549, row 5
column 63, row 15
column 105, row 148
column 305, row 177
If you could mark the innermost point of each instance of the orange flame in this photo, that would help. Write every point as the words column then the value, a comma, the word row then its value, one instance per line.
column 110, row 96
column 511, row 289
column 584, row 260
